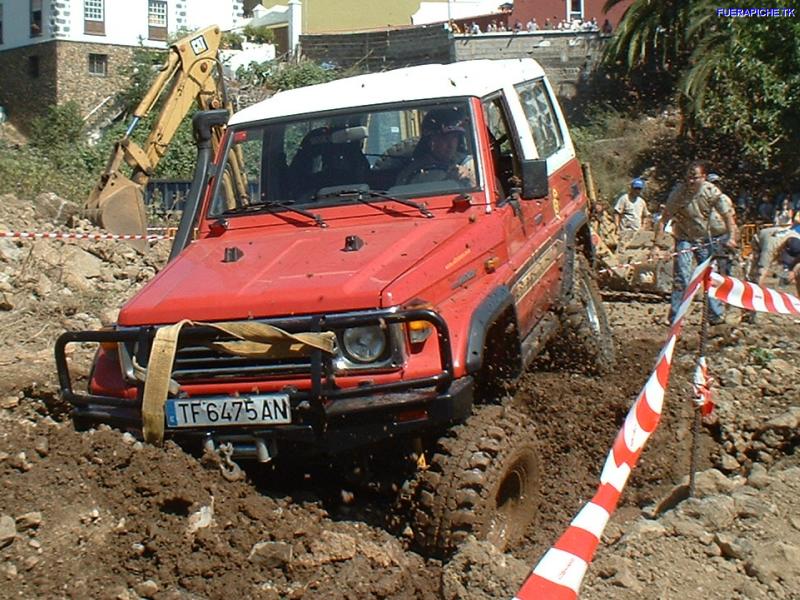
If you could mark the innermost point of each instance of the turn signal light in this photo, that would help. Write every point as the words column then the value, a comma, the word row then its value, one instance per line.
column 419, row 331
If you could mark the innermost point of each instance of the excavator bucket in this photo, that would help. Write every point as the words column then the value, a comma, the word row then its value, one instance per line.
column 118, row 207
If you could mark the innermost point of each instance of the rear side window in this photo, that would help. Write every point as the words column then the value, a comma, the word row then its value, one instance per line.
column 541, row 117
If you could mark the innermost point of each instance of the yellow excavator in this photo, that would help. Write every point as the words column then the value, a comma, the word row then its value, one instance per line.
column 191, row 73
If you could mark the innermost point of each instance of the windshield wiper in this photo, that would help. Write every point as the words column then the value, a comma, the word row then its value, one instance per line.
column 268, row 206
column 362, row 193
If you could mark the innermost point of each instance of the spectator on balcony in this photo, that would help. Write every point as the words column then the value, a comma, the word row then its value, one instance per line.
column 607, row 28
column 532, row 25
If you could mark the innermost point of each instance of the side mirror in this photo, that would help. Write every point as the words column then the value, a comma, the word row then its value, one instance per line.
column 204, row 121
column 534, row 179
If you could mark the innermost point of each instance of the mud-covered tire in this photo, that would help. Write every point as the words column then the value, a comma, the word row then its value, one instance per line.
column 482, row 480
column 587, row 342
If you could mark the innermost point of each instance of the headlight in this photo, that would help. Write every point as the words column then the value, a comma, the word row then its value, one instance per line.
column 364, row 344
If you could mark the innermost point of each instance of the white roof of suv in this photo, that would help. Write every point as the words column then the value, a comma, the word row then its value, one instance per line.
column 467, row 78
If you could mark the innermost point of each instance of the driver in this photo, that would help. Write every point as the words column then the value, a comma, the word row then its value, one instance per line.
column 439, row 156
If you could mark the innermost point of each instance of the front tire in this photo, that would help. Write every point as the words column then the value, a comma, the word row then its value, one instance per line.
column 587, row 342
column 483, row 480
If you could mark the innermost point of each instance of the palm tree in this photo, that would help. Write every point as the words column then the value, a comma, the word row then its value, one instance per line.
column 651, row 33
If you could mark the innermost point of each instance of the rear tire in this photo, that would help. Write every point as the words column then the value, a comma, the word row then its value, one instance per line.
column 587, row 342
column 483, row 480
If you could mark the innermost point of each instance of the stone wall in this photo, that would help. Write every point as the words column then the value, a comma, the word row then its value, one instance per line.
column 566, row 57
column 63, row 76
column 77, row 84
column 22, row 95
column 380, row 50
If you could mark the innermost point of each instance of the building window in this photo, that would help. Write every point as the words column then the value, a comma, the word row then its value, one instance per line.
column 1, row 23
column 157, row 19
column 98, row 64
column 94, row 17
column 36, row 18
column 33, row 66
column 575, row 9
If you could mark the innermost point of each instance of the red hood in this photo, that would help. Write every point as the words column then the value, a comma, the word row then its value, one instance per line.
column 286, row 271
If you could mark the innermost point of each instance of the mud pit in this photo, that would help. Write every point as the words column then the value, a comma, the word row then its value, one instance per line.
column 96, row 514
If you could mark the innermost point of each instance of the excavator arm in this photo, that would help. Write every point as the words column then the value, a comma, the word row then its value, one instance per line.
column 191, row 74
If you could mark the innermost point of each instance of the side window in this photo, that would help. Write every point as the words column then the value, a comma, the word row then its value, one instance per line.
column 36, row 18
column 541, row 117
column 157, row 20
column 94, row 17
column 505, row 156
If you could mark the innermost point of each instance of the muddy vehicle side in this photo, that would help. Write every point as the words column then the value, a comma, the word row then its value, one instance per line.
column 434, row 290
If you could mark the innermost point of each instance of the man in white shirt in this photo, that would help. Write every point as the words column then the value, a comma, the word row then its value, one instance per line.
column 630, row 209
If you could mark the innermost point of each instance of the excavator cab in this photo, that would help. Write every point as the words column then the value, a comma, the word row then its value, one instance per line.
column 190, row 74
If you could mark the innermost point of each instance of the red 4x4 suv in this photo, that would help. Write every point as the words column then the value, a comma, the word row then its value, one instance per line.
column 362, row 265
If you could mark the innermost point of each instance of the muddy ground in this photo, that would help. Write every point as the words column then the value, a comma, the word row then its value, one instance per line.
column 96, row 514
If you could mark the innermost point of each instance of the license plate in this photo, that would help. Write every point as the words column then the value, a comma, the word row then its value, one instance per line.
column 261, row 409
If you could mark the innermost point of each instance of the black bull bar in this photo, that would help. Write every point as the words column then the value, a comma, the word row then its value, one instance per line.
column 309, row 404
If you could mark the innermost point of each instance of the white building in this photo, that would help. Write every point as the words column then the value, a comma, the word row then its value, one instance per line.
column 53, row 51
column 118, row 22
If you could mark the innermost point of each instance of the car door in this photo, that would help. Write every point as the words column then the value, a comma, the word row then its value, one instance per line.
column 522, row 219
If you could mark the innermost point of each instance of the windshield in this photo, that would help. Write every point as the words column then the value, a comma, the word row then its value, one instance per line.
column 407, row 151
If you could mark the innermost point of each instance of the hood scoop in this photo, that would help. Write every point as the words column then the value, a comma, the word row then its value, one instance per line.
column 232, row 254
column 352, row 243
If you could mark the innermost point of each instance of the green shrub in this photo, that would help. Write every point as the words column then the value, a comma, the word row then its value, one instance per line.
column 259, row 35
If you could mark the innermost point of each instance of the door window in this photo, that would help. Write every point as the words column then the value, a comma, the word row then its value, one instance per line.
column 541, row 117
column 504, row 155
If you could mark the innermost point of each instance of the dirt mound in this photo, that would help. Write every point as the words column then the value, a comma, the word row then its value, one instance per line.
column 98, row 515
column 104, row 512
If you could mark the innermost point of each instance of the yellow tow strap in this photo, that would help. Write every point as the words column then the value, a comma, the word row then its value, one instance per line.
column 254, row 340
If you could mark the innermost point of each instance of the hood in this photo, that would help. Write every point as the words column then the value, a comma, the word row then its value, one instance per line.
column 284, row 271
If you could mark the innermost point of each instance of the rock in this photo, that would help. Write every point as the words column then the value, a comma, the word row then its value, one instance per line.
column 730, row 546
column 53, row 208
column 759, row 477
column 31, row 562
column 732, row 378
column 714, row 513
column 748, row 506
column 76, row 260
column 146, row 589
column 644, row 529
column 711, row 482
column 7, row 301
column 479, row 571
column 788, row 421
column 781, row 367
column 128, row 439
column 202, row 518
column 20, row 462
column 9, row 570
column 8, row 531
column 9, row 402
column 271, row 555
column 774, row 562
column 30, row 520
column 333, row 547
column 381, row 556
column 42, row 446
column 683, row 525
column 729, row 463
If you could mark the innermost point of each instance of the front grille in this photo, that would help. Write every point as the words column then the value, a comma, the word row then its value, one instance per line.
column 195, row 363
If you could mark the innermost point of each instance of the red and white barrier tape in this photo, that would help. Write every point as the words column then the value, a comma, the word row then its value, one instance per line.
column 69, row 235
column 560, row 572
column 751, row 296
column 701, row 386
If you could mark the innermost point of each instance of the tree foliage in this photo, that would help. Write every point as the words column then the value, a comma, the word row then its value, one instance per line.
column 259, row 35
column 279, row 76
column 744, row 80
column 736, row 76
